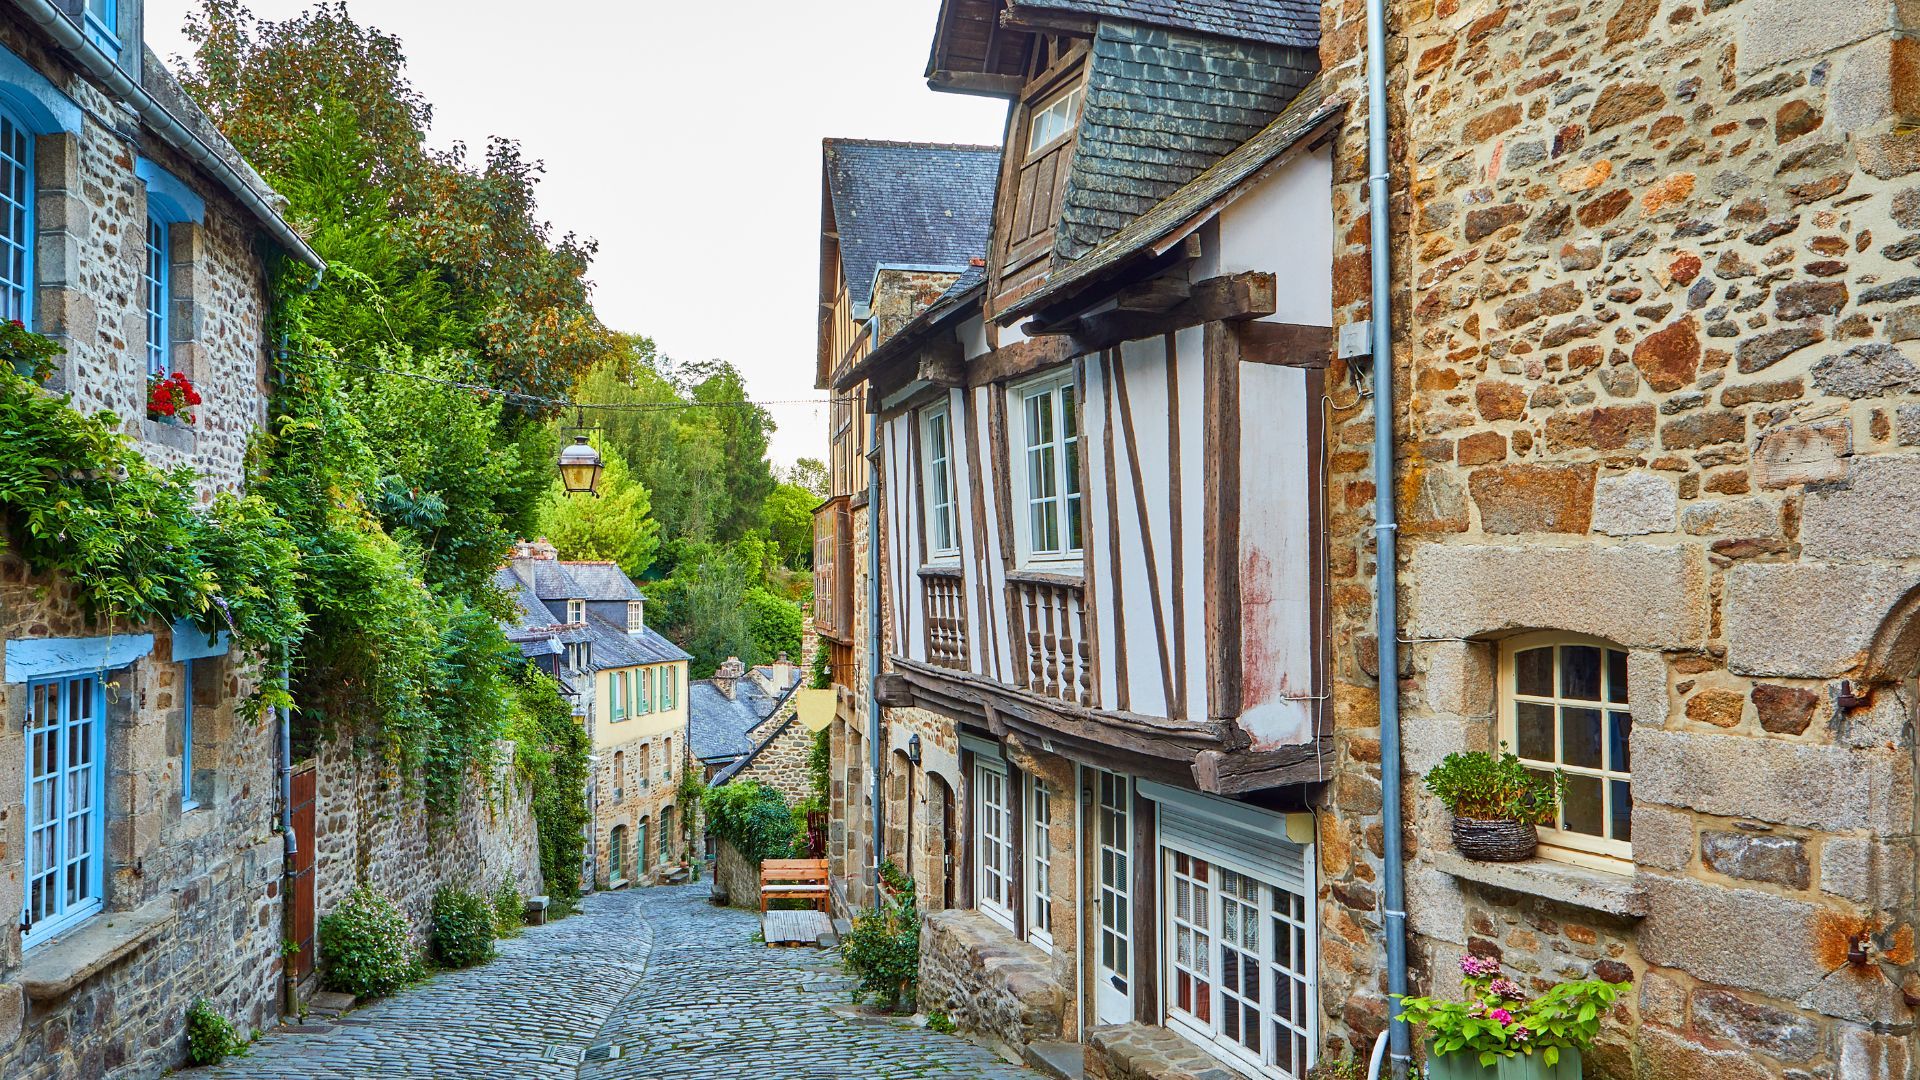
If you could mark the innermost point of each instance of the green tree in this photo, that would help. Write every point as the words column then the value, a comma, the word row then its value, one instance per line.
column 812, row 474
column 775, row 624
column 615, row 527
column 789, row 520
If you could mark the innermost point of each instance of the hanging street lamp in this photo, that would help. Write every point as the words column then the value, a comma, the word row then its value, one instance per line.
column 580, row 467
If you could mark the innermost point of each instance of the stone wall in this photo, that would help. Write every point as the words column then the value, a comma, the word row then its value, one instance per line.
column 849, row 840
column 374, row 831
column 739, row 876
column 987, row 981
column 630, row 787
column 781, row 761
column 1655, row 305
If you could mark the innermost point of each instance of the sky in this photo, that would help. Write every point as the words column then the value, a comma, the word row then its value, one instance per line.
column 685, row 138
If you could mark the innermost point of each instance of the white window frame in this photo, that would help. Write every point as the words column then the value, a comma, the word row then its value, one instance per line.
column 993, row 847
column 937, row 482
column 617, row 691
column 1054, row 121
column 187, row 801
column 1604, row 853
column 1273, row 908
column 636, row 619
column 1039, row 855
column 64, row 714
column 1066, row 498
column 643, row 700
column 576, row 611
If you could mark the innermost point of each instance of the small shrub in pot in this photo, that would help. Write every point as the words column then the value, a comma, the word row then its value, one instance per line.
column 1496, row 802
column 1498, row 1033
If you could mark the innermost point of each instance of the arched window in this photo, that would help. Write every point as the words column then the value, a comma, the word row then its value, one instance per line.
column 666, row 763
column 1563, row 705
column 619, row 775
column 16, row 219
column 640, row 847
column 617, row 855
column 646, row 765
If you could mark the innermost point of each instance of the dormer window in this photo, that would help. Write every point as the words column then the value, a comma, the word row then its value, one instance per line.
column 103, row 25
column 636, row 620
column 1053, row 121
column 576, row 611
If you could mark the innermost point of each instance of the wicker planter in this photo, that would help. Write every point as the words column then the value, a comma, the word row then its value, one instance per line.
column 1494, row 841
column 1466, row 1066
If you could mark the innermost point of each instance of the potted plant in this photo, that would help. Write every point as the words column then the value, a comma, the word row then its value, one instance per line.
column 29, row 353
column 1497, row 803
column 1497, row 1033
column 171, row 398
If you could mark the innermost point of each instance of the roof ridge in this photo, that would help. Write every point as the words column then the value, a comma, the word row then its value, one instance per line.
column 909, row 144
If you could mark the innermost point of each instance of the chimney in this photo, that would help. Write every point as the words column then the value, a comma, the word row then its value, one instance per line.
column 528, row 552
column 726, row 677
column 782, row 673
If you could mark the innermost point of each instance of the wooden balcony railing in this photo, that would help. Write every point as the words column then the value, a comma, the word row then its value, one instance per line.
column 833, row 569
column 945, row 593
column 1050, row 637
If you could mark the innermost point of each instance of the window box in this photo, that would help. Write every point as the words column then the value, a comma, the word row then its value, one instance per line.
column 1523, row 1067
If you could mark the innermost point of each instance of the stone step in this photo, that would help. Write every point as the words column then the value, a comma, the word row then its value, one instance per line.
column 329, row 1003
column 1060, row 1060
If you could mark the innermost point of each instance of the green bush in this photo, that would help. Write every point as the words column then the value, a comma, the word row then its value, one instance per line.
column 462, row 928
column 1480, row 786
column 940, row 1022
column 509, row 910
column 882, row 951
column 753, row 818
column 211, row 1039
column 365, row 945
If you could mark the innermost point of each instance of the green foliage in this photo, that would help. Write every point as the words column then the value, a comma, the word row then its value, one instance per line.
column 702, row 608
column 509, row 910
column 753, row 818
column 614, row 527
column 1480, row 786
column 941, row 1023
column 811, row 475
column 821, row 677
column 551, row 750
column 775, row 625
column 882, row 951
column 789, row 521
column 27, row 353
column 364, row 943
column 820, row 763
column 1496, row 1019
column 211, row 1038
column 463, row 931
column 77, row 499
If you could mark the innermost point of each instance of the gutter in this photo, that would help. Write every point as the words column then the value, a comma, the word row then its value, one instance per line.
column 873, row 645
column 103, row 68
column 1386, row 554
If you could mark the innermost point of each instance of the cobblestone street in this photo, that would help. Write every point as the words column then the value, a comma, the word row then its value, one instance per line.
column 682, row 989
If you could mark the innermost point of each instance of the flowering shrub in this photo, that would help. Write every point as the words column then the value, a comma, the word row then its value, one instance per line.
column 30, row 354
column 171, row 397
column 1497, row 1021
column 211, row 1038
column 462, row 928
column 365, row 944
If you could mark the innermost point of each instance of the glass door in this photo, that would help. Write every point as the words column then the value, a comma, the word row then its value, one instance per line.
column 1113, row 949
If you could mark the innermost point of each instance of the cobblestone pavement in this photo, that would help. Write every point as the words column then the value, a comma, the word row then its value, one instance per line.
column 681, row 988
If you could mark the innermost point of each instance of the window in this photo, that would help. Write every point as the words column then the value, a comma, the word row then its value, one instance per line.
column 1563, row 705
column 617, row 690
column 617, row 855
column 1048, row 485
column 669, row 687
column 636, row 617
column 666, row 759
column 103, row 25
column 16, row 220
column 646, row 765
column 642, row 684
column 936, row 448
column 993, row 888
column 159, row 289
column 641, row 849
column 65, row 827
column 1039, row 863
column 666, row 835
column 1053, row 121
column 576, row 611
column 186, row 736
column 1238, row 951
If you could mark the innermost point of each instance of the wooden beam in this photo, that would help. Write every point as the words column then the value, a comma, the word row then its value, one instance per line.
column 1232, row 298
column 893, row 691
column 1223, row 773
column 1020, row 359
column 1285, row 344
column 1163, row 293
column 943, row 362
column 982, row 83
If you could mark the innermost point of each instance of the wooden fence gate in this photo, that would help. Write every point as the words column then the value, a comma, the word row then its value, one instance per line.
column 302, row 897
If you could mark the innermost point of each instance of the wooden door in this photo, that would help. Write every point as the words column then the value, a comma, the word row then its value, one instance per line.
column 946, row 845
column 302, row 887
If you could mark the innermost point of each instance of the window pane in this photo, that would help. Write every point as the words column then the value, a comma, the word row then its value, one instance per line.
column 1619, row 743
column 1533, row 673
column 1622, row 810
column 1616, row 676
column 1582, row 808
column 1580, row 737
column 1580, row 672
column 1534, row 730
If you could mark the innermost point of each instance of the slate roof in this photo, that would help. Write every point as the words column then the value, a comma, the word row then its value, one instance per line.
column 1308, row 113
column 536, row 622
column 1161, row 108
column 600, row 581
column 721, row 729
column 957, row 300
column 909, row 204
column 1278, row 22
column 738, row 764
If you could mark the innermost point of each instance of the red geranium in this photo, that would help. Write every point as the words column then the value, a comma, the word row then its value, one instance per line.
column 171, row 397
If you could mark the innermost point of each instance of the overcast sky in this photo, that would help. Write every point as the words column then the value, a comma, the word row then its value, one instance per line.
column 685, row 138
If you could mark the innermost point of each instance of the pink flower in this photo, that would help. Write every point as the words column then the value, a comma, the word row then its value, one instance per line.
column 1477, row 967
column 1503, row 1016
column 1521, row 1034
column 1505, row 988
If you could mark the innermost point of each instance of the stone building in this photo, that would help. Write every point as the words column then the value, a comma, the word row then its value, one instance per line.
column 139, row 819
column 780, row 743
column 585, row 623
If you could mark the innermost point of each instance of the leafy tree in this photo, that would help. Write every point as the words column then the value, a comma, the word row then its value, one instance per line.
column 811, row 474
column 789, row 520
column 775, row 624
column 614, row 527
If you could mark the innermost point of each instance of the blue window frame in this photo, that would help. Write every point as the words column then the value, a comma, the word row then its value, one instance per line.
column 66, row 793
column 159, row 282
column 16, row 219
column 186, row 736
column 103, row 25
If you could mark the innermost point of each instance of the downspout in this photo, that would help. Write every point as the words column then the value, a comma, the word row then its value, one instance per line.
column 873, row 642
column 1387, row 618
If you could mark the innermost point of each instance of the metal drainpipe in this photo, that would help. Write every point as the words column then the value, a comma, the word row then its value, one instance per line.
column 1387, row 628
column 873, row 640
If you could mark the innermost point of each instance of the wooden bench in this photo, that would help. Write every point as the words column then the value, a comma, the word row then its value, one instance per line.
column 793, row 879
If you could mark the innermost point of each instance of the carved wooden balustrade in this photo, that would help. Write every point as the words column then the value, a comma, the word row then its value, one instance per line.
column 946, row 600
column 1051, row 655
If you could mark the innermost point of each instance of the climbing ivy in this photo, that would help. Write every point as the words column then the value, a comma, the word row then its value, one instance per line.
column 552, row 751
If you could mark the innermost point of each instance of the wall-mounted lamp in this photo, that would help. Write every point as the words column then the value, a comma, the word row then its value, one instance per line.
column 913, row 748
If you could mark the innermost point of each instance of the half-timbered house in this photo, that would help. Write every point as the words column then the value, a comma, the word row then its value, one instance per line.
column 1100, row 462
column 901, row 223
